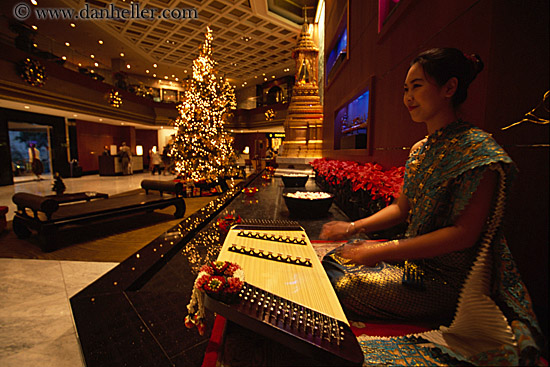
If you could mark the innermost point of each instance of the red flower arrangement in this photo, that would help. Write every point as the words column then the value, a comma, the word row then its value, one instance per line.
column 221, row 280
column 228, row 220
column 370, row 177
column 250, row 191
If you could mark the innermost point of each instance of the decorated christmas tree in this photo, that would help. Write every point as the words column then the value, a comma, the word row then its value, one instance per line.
column 202, row 149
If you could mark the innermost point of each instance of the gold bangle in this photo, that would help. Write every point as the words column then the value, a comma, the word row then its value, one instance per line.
column 352, row 224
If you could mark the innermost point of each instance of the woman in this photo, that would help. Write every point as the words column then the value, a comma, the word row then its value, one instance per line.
column 36, row 164
column 156, row 160
column 456, row 181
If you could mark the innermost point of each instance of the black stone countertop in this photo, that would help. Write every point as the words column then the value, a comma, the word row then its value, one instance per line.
column 134, row 314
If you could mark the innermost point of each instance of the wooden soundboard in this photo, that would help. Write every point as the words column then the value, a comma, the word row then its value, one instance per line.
column 288, row 296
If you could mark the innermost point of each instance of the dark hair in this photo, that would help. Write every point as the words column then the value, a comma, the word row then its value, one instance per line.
column 443, row 64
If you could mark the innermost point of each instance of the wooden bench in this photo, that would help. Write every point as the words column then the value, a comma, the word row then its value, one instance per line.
column 46, row 216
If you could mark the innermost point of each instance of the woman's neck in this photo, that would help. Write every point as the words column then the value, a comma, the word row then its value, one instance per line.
column 440, row 121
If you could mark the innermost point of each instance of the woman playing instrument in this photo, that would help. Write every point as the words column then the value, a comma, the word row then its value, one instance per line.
column 455, row 185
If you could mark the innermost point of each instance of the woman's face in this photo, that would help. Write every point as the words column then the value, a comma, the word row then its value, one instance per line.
column 424, row 99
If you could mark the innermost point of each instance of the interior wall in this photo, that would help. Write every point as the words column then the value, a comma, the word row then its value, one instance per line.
column 92, row 137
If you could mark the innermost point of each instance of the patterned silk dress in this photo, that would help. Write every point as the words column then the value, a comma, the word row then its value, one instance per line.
column 440, row 178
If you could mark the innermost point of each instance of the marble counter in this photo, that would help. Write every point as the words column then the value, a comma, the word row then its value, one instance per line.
column 134, row 315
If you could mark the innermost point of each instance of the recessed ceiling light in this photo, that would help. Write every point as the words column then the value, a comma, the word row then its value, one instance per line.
column 155, row 65
column 100, row 119
column 79, row 64
column 147, row 71
column 96, row 64
column 73, row 25
column 100, row 42
column 177, row 79
column 185, row 71
column 64, row 57
column 75, row 115
column 173, row 76
column 33, row 2
column 27, row 107
column 263, row 74
column 154, row 75
column 255, row 77
column 166, row 77
column 122, row 123
column 67, row 44
column 127, row 66
column 35, row 45
column 265, row 79
column 92, row 56
column 273, row 76
column 34, row 27
column 122, row 54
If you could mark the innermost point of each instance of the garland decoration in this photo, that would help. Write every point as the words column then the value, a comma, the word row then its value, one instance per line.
column 115, row 100
column 33, row 72
column 221, row 280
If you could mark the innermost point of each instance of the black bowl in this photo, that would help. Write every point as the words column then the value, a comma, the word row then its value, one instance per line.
column 308, row 208
column 295, row 181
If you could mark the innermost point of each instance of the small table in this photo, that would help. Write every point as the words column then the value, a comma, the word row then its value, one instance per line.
column 77, row 196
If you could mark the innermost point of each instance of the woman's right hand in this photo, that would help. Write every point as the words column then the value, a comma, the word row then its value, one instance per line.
column 336, row 230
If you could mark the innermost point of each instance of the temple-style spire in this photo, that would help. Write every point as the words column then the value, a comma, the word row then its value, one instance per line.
column 304, row 121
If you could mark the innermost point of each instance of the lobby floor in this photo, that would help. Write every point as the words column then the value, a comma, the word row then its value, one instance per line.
column 35, row 314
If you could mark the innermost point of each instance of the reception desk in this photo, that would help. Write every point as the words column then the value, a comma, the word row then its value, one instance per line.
column 134, row 315
column 109, row 165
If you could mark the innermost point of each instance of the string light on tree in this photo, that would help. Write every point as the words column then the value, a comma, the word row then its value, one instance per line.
column 202, row 149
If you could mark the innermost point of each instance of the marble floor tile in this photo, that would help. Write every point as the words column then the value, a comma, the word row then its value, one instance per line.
column 36, row 323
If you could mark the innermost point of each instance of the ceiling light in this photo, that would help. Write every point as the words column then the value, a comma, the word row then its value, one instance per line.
column 73, row 25
column 79, row 64
column 34, row 2
column 64, row 57
column 177, row 79
column 263, row 74
column 147, row 71
column 75, row 115
column 173, row 76
column 34, row 27
column 127, row 66
column 255, row 77
column 100, row 42
column 67, row 44
column 92, row 71
column 96, row 64
column 155, row 65
column 154, row 75
column 273, row 76
column 265, row 79
column 185, row 71
column 100, row 119
column 35, row 45
column 92, row 56
column 27, row 107
column 122, row 54
column 166, row 77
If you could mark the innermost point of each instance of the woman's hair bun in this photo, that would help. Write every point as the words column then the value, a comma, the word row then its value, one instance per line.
column 476, row 61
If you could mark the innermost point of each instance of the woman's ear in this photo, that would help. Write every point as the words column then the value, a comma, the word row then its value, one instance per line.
column 450, row 87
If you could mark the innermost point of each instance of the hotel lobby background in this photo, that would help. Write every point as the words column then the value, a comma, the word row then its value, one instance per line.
column 510, row 36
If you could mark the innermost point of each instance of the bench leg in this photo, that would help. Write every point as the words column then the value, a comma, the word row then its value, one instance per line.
column 20, row 228
column 180, row 209
column 47, row 236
